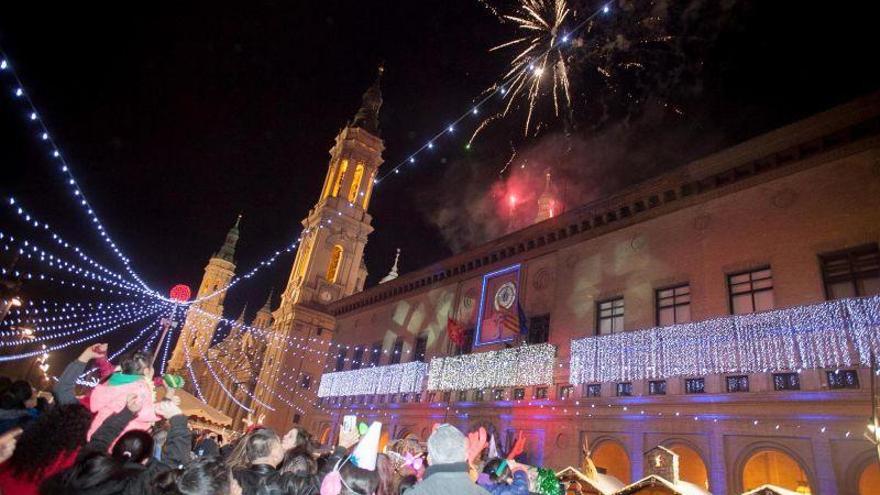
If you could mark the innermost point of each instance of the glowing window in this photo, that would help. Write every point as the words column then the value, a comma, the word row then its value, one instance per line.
column 356, row 182
column 343, row 166
column 368, row 191
column 335, row 261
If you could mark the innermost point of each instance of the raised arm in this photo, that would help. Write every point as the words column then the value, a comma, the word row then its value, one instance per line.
column 64, row 388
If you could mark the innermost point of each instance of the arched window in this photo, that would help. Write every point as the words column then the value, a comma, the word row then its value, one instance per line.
column 775, row 468
column 611, row 456
column 692, row 468
column 335, row 261
column 869, row 480
column 343, row 166
column 356, row 182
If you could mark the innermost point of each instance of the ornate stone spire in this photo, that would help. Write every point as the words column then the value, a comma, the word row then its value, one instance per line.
column 268, row 306
column 367, row 118
column 227, row 251
column 393, row 273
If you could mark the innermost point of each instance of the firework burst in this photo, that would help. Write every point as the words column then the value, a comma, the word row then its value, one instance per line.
column 540, row 60
column 611, row 59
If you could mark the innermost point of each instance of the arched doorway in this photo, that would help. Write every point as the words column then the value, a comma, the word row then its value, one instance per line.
column 776, row 468
column 611, row 456
column 691, row 467
column 869, row 480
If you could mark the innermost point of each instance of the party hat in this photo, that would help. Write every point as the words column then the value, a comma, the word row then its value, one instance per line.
column 364, row 455
column 493, row 448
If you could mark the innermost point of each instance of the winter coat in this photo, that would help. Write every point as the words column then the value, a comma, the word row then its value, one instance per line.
column 107, row 399
column 443, row 479
column 519, row 486
column 250, row 478
column 10, row 483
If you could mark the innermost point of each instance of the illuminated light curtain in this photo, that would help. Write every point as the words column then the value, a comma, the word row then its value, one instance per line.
column 519, row 366
column 356, row 182
column 339, row 177
column 840, row 333
column 335, row 262
column 392, row 379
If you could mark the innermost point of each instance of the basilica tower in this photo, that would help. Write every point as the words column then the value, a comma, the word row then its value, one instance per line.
column 198, row 329
column 328, row 266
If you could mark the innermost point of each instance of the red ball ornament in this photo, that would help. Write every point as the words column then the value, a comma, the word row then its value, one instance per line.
column 180, row 293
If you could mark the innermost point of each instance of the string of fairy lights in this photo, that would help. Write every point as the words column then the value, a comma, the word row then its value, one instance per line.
column 592, row 359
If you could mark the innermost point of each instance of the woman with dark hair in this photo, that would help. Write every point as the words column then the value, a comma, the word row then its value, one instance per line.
column 289, row 484
column 406, row 483
column 17, row 406
column 300, row 464
column 207, row 477
column 47, row 446
column 131, row 467
column 357, row 481
column 298, row 441
column 388, row 477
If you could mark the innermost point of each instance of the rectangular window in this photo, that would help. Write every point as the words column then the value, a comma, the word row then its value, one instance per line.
column 498, row 394
column 593, row 390
column 321, row 401
column 306, row 382
column 376, row 354
column 539, row 329
column 786, row 381
column 739, row 383
column 462, row 395
column 417, row 398
column 392, row 398
column 447, row 397
column 565, row 392
column 694, row 385
column 396, row 351
column 519, row 394
column 357, row 358
column 404, row 398
column 340, row 359
column 479, row 395
column 673, row 305
column 381, row 399
column 420, row 348
column 432, row 396
column 465, row 348
column 751, row 291
column 609, row 316
column 853, row 272
column 624, row 389
column 541, row 393
column 370, row 399
column 842, row 379
column 657, row 387
column 296, row 418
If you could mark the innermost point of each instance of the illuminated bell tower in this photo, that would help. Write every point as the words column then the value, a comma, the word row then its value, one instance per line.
column 546, row 201
column 328, row 263
column 198, row 330
column 328, row 266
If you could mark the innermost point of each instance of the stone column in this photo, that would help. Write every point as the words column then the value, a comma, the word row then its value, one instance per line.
column 825, row 482
column 636, row 455
column 717, row 463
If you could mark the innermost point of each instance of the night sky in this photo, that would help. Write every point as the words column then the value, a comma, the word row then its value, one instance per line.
column 178, row 116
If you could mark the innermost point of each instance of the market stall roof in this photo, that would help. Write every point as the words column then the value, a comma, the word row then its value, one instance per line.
column 192, row 406
column 768, row 489
column 653, row 482
column 603, row 483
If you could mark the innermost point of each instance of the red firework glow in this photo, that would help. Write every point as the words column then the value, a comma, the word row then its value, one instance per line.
column 516, row 198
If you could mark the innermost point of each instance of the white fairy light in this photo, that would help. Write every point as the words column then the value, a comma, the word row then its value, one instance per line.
column 519, row 366
column 831, row 334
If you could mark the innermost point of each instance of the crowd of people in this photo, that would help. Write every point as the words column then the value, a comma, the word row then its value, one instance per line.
column 119, row 439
